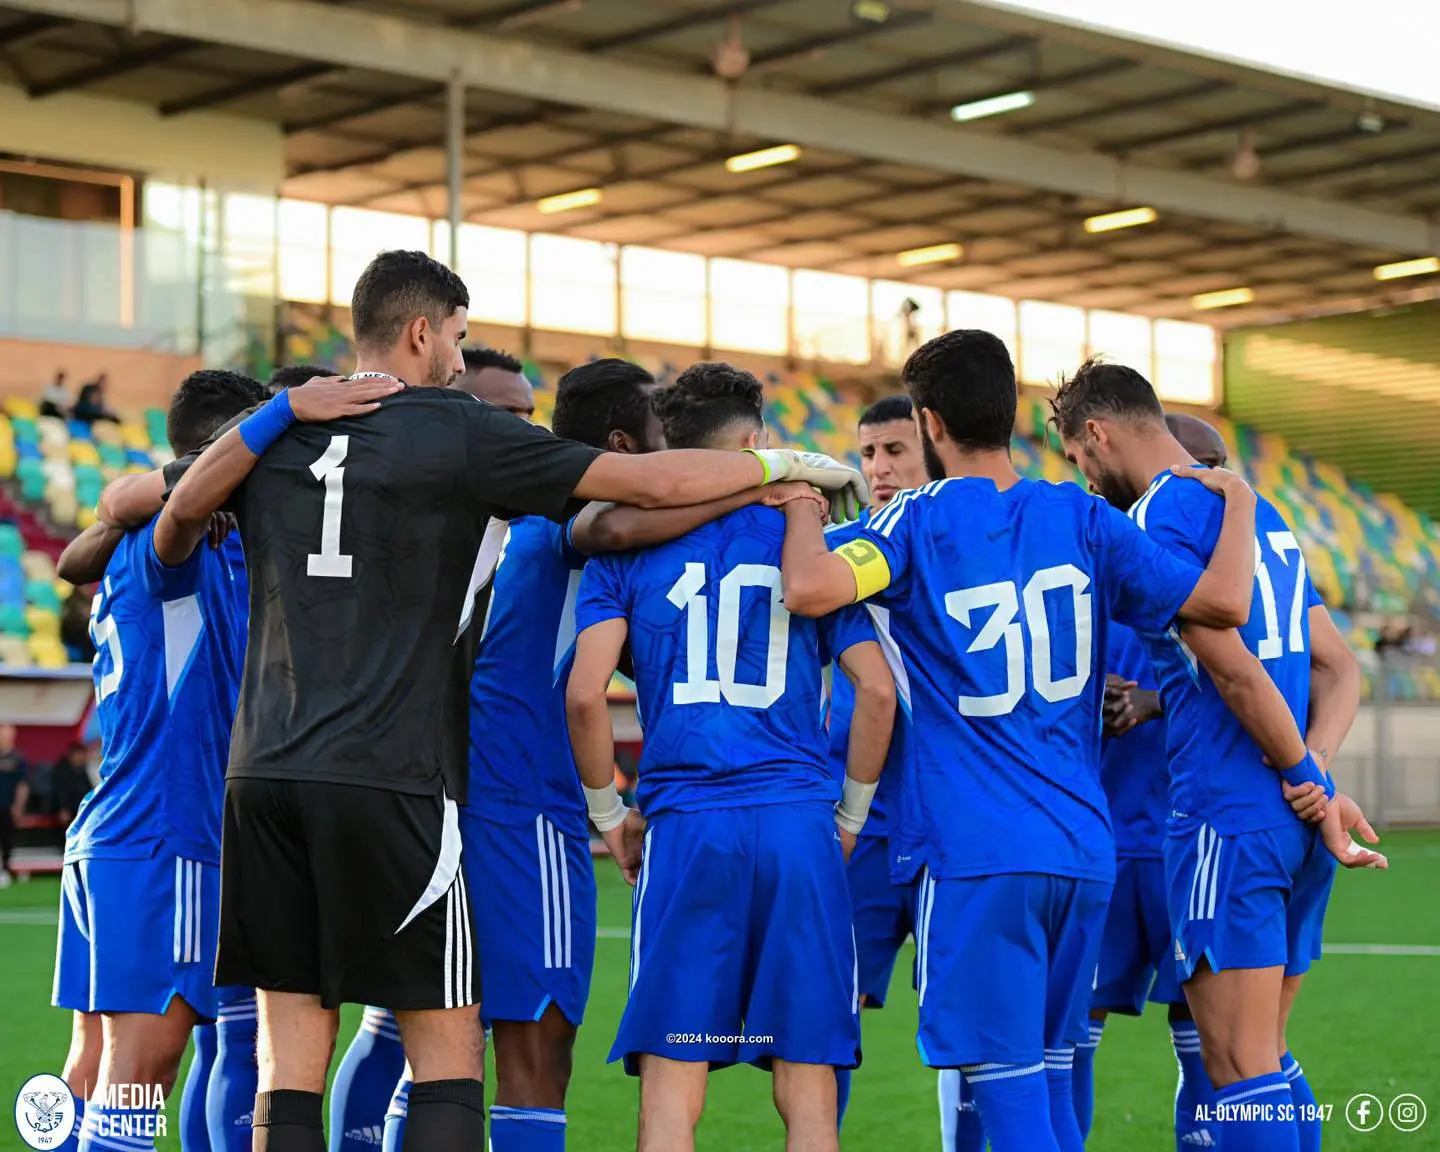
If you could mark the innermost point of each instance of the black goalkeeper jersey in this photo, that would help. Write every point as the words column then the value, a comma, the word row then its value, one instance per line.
column 366, row 541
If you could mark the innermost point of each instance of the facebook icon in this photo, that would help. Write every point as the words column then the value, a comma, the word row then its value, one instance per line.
column 1365, row 1112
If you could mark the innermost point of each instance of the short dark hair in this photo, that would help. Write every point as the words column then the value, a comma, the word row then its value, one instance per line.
column 706, row 399
column 205, row 400
column 888, row 410
column 1100, row 389
column 478, row 359
column 603, row 396
column 293, row 375
column 397, row 288
column 967, row 379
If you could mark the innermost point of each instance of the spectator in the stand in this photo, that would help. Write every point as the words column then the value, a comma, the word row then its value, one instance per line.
column 55, row 400
column 91, row 404
column 71, row 782
column 75, row 626
column 12, row 776
column 55, row 790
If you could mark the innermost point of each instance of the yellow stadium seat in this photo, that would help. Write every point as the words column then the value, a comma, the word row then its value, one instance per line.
column 135, row 436
column 105, row 432
column 83, row 452
column 22, row 406
column 84, row 518
column 42, row 623
column 15, row 652
column 7, row 460
column 63, row 506
column 37, row 566
column 48, row 653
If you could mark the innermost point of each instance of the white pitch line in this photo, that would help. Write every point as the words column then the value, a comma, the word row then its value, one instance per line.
column 45, row 918
column 1381, row 949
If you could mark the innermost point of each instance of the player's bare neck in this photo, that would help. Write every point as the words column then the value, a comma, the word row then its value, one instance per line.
column 994, row 465
column 1153, row 454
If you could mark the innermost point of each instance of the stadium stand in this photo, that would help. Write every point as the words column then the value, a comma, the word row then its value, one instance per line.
column 1370, row 555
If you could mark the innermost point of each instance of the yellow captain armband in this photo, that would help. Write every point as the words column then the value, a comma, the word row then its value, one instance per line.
column 872, row 572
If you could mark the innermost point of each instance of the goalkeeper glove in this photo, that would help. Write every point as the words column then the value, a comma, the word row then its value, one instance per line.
column 844, row 486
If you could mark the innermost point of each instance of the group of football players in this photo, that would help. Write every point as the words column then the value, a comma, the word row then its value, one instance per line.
column 1022, row 684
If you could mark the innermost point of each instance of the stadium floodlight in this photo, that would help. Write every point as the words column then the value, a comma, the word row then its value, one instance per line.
column 765, row 158
column 935, row 254
column 991, row 106
column 1402, row 268
column 1225, row 298
column 569, row 201
column 1126, row 218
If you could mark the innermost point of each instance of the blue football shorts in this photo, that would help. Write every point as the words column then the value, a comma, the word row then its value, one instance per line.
column 1136, row 952
column 884, row 916
column 532, row 895
column 134, row 934
column 1251, row 900
column 742, row 948
column 1006, row 966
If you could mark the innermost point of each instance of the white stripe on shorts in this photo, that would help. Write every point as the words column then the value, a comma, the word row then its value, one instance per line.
column 544, row 859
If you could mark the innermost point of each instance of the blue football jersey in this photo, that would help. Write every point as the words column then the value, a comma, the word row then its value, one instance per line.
column 520, row 759
column 1217, row 772
column 842, row 708
column 996, row 611
column 1134, row 770
column 169, row 652
column 729, row 683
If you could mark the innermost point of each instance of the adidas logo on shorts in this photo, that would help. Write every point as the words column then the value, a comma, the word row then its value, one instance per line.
column 1179, row 952
column 245, row 1121
column 1200, row 1138
column 370, row 1134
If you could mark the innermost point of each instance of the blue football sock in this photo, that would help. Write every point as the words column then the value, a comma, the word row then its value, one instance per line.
column 1084, row 1086
column 396, row 1115
column 842, row 1095
column 969, row 1132
column 364, row 1081
column 526, row 1129
column 1194, row 1096
column 1255, row 1115
column 230, row 1100
column 71, row 1143
column 1307, row 1123
column 120, row 1129
column 193, row 1136
column 1014, row 1104
column 1060, row 1080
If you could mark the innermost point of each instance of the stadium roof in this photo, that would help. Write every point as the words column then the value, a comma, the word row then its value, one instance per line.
column 623, row 95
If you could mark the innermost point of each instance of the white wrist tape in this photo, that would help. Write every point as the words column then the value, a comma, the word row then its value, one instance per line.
column 607, row 810
column 854, row 805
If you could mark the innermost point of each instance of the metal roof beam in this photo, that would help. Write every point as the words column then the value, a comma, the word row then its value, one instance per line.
column 240, row 89
column 812, row 45
column 996, row 48
column 1139, row 104
column 31, row 28
column 376, row 42
column 108, row 69
column 677, row 24
column 1204, row 128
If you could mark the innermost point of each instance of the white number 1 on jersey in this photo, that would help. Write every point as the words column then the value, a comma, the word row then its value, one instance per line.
column 330, row 561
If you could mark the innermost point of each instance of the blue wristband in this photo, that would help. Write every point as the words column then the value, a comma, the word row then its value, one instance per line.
column 1309, row 772
column 267, row 424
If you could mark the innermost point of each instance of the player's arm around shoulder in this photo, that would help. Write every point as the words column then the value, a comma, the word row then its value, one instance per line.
column 603, row 526
column 1221, row 597
column 816, row 581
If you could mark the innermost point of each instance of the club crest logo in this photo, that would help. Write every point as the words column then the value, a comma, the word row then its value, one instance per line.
column 44, row 1112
